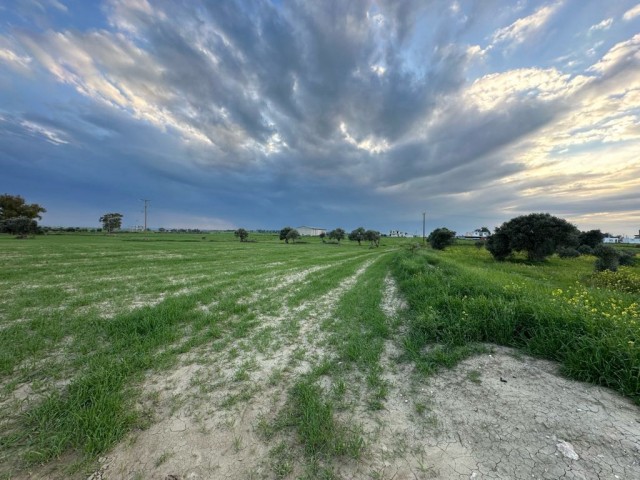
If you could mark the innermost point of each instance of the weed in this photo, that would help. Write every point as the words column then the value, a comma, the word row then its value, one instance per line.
column 474, row 376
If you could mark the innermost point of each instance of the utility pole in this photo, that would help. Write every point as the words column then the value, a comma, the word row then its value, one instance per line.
column 424, row 238
column 146, row 202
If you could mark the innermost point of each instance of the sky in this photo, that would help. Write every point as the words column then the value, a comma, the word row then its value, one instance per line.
column 261, row 114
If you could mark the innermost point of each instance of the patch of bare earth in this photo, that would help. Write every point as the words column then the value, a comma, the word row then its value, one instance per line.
column 501, row 415
column 206, row 413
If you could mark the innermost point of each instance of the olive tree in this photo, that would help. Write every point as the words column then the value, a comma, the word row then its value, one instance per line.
column 357, row 235
column 441, row 237
column 242, row 234
column 538, row 235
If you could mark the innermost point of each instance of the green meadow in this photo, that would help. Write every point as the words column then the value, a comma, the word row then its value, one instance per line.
column 86, row 319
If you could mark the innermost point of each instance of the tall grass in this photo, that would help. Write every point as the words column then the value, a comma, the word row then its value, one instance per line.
column 461, row 298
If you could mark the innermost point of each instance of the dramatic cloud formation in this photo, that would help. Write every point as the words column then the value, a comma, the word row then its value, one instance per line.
column 264, row 113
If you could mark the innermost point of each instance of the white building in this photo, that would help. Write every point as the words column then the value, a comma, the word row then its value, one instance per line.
column 310, row 231
column 477, row 234
column 631, row 240
column 610, row 240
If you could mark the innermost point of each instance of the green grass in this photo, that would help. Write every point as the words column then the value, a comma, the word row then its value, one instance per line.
column 85, row 317
column 461, row 298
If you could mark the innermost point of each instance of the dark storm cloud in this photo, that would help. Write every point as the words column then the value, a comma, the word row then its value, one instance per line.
column 335, row 104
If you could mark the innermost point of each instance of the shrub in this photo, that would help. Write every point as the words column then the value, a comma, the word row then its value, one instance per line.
column 567, row 252
column 608, row 258
column 627, row 259
column 624, row 280
column 585, row 250
column 441, row 238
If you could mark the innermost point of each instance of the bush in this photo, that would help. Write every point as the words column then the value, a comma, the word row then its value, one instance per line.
column 624, row 280
column 608, row 258
column 567, row 252
column 585, row 250
column 441, row 238
column 479, row 244
column 627, row 259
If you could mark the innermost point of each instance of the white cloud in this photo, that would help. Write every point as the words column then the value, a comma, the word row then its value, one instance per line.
column 51, row 135
column 369, row 143
column 524, row 27
column 620, row 54
column 603, row 25
column 14, row 59
column 498, row 90
column 632, row 13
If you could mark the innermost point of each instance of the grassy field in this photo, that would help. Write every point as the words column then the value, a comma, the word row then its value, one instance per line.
column 85, row 320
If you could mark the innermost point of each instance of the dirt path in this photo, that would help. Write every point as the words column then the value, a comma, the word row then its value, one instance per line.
column 501, row 415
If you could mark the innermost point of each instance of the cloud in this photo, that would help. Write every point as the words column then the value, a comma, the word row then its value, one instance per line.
column 603, row 25
column 631, row 13
column 350, row 108
column 523, row 28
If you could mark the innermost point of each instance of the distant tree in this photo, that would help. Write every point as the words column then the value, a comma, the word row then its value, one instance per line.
column 484, row 230
column 13, row 206
column 372, row 236
column 283, row 234
column 292, row 235
column 20, row 226
column 322, row 235
column 111, row 222
column 441, row 238
column 592, row 238
column 357, row 235
column 242, row 234
column 537, row 234
column 337, row 234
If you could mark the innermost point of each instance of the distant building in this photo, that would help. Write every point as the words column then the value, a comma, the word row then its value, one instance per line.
column 477, row 234
column 631, row 240
column 610, row 240
column 311, row 231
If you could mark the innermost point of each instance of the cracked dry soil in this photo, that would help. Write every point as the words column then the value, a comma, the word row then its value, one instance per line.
column 502, row 415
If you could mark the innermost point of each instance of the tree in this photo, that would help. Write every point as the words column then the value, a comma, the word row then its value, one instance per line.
column 484, row 230
column 13, row 206
column 372, row 236
column 111, row 221
column 242, row 234
column 20, row 226
column 357, row 235
column 322, row 235
column 441, row 238
column 498, row 245
column 592, row 238
column 337, row 234
column 292, row 235
column 283, row 234
column 537, row 234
